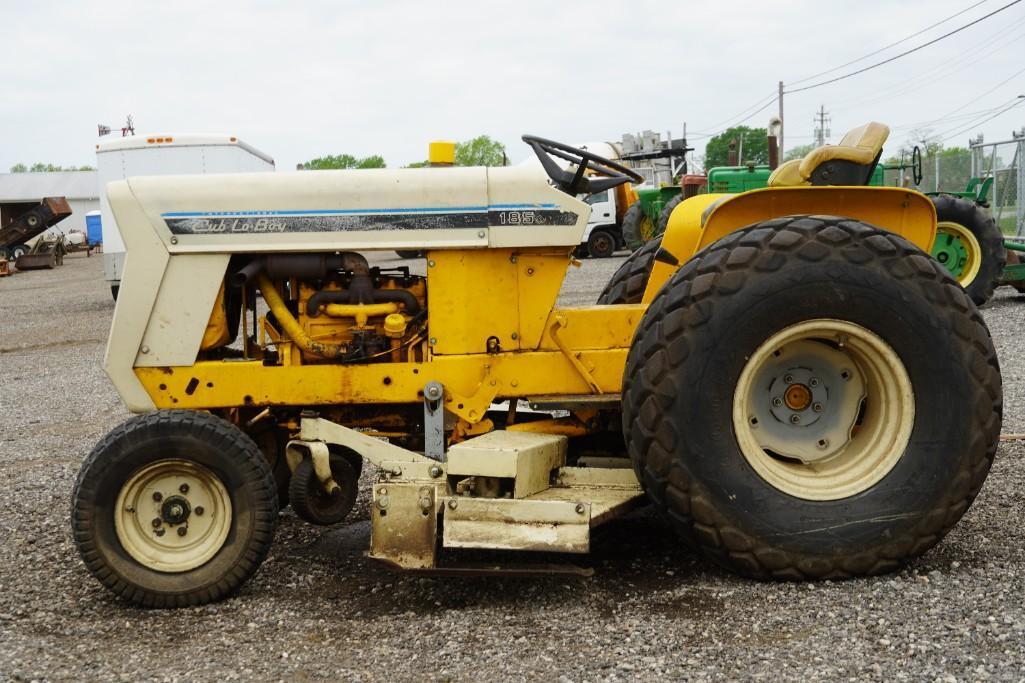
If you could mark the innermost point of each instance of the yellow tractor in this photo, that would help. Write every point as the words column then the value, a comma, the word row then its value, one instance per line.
column 788, row 377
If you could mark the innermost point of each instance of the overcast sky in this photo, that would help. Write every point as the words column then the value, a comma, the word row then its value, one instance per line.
column 302, row 79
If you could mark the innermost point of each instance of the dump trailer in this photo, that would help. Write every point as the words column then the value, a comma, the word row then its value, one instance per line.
column 15, row 235
column 769, row 384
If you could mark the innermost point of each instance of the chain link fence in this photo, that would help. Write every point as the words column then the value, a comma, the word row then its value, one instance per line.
column 961, row 170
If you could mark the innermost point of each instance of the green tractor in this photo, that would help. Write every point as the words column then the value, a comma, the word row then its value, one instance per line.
column 968, row 241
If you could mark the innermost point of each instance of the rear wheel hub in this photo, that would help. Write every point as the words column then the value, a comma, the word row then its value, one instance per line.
column 823, row 409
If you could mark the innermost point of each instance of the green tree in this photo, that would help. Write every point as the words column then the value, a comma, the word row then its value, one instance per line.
column 797, row 152
column 344, row 161
column 480, row 151
column 756, row 146
column 955, row 168
column 40, row 167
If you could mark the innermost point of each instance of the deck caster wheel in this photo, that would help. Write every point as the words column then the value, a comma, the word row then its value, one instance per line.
column 174, row 508
column 315, row 505
column 782, row 407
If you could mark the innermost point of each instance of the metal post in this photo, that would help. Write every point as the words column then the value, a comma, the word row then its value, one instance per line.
column 936, row 180
column 996, row 179
column 1020, row 202
column 781, row 120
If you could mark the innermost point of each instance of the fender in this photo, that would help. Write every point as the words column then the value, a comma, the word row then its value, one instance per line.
column 704, row 219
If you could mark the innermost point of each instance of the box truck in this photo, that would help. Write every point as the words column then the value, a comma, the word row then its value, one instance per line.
column 147, row 155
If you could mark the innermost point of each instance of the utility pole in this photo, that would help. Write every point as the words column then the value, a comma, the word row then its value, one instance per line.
column 821, row 132
column 781, row 120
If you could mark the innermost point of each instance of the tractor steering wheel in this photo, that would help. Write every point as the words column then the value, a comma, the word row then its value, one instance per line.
column 576, row 182
column 916, row 166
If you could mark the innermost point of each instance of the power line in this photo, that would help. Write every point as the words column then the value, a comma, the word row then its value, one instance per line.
column 906, row 52
column 764, row 102
column 949, row 119
column 946, row 135
column 944, row 69
column 978, row 97
column 894, row 44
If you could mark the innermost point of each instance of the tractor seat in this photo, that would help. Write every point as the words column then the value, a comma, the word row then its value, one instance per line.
column 849, row 163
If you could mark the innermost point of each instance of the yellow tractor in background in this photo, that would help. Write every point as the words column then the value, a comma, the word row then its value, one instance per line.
column 788, row 377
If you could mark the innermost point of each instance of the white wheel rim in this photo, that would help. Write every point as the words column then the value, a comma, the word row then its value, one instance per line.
column 179, row 494
column 823, row 410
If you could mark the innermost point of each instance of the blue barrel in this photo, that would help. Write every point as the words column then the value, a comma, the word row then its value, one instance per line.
column 93, row 228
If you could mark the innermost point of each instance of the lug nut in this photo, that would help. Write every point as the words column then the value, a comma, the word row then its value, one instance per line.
column 788, row 379
column 823, row 443
column 159, row 532
column 199, row 510
column 777, row 401
column 182, row 531
column 435, row 471
column 157, row 496
column 813, row 382
column 817, row 407
column 795, row 419
column 156, row 522
column 184, row 488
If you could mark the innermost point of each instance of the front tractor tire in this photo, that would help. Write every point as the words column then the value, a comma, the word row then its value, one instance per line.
column 812, row 397
column 174, row 508
column 969, row 245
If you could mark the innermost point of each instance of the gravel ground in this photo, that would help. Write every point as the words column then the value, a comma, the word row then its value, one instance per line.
column 318, row 610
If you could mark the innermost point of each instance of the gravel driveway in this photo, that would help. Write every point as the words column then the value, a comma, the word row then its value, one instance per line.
column 318, row 610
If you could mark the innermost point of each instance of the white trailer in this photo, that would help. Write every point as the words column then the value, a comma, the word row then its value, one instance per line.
column 150, row 155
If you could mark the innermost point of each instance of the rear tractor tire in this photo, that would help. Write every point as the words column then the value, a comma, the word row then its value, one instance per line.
column 667, row 211
column 627, row 284
column 969, row 245
column 782, row 407
column 174, row 508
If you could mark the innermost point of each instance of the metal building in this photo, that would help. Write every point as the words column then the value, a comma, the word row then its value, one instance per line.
column 19, row 192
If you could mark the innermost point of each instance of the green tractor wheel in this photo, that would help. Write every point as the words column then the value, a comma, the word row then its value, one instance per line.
column 969, row 245
column 638, row 228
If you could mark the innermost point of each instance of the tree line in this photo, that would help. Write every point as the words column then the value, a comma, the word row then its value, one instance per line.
column 40, row 167
column 478, row 151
